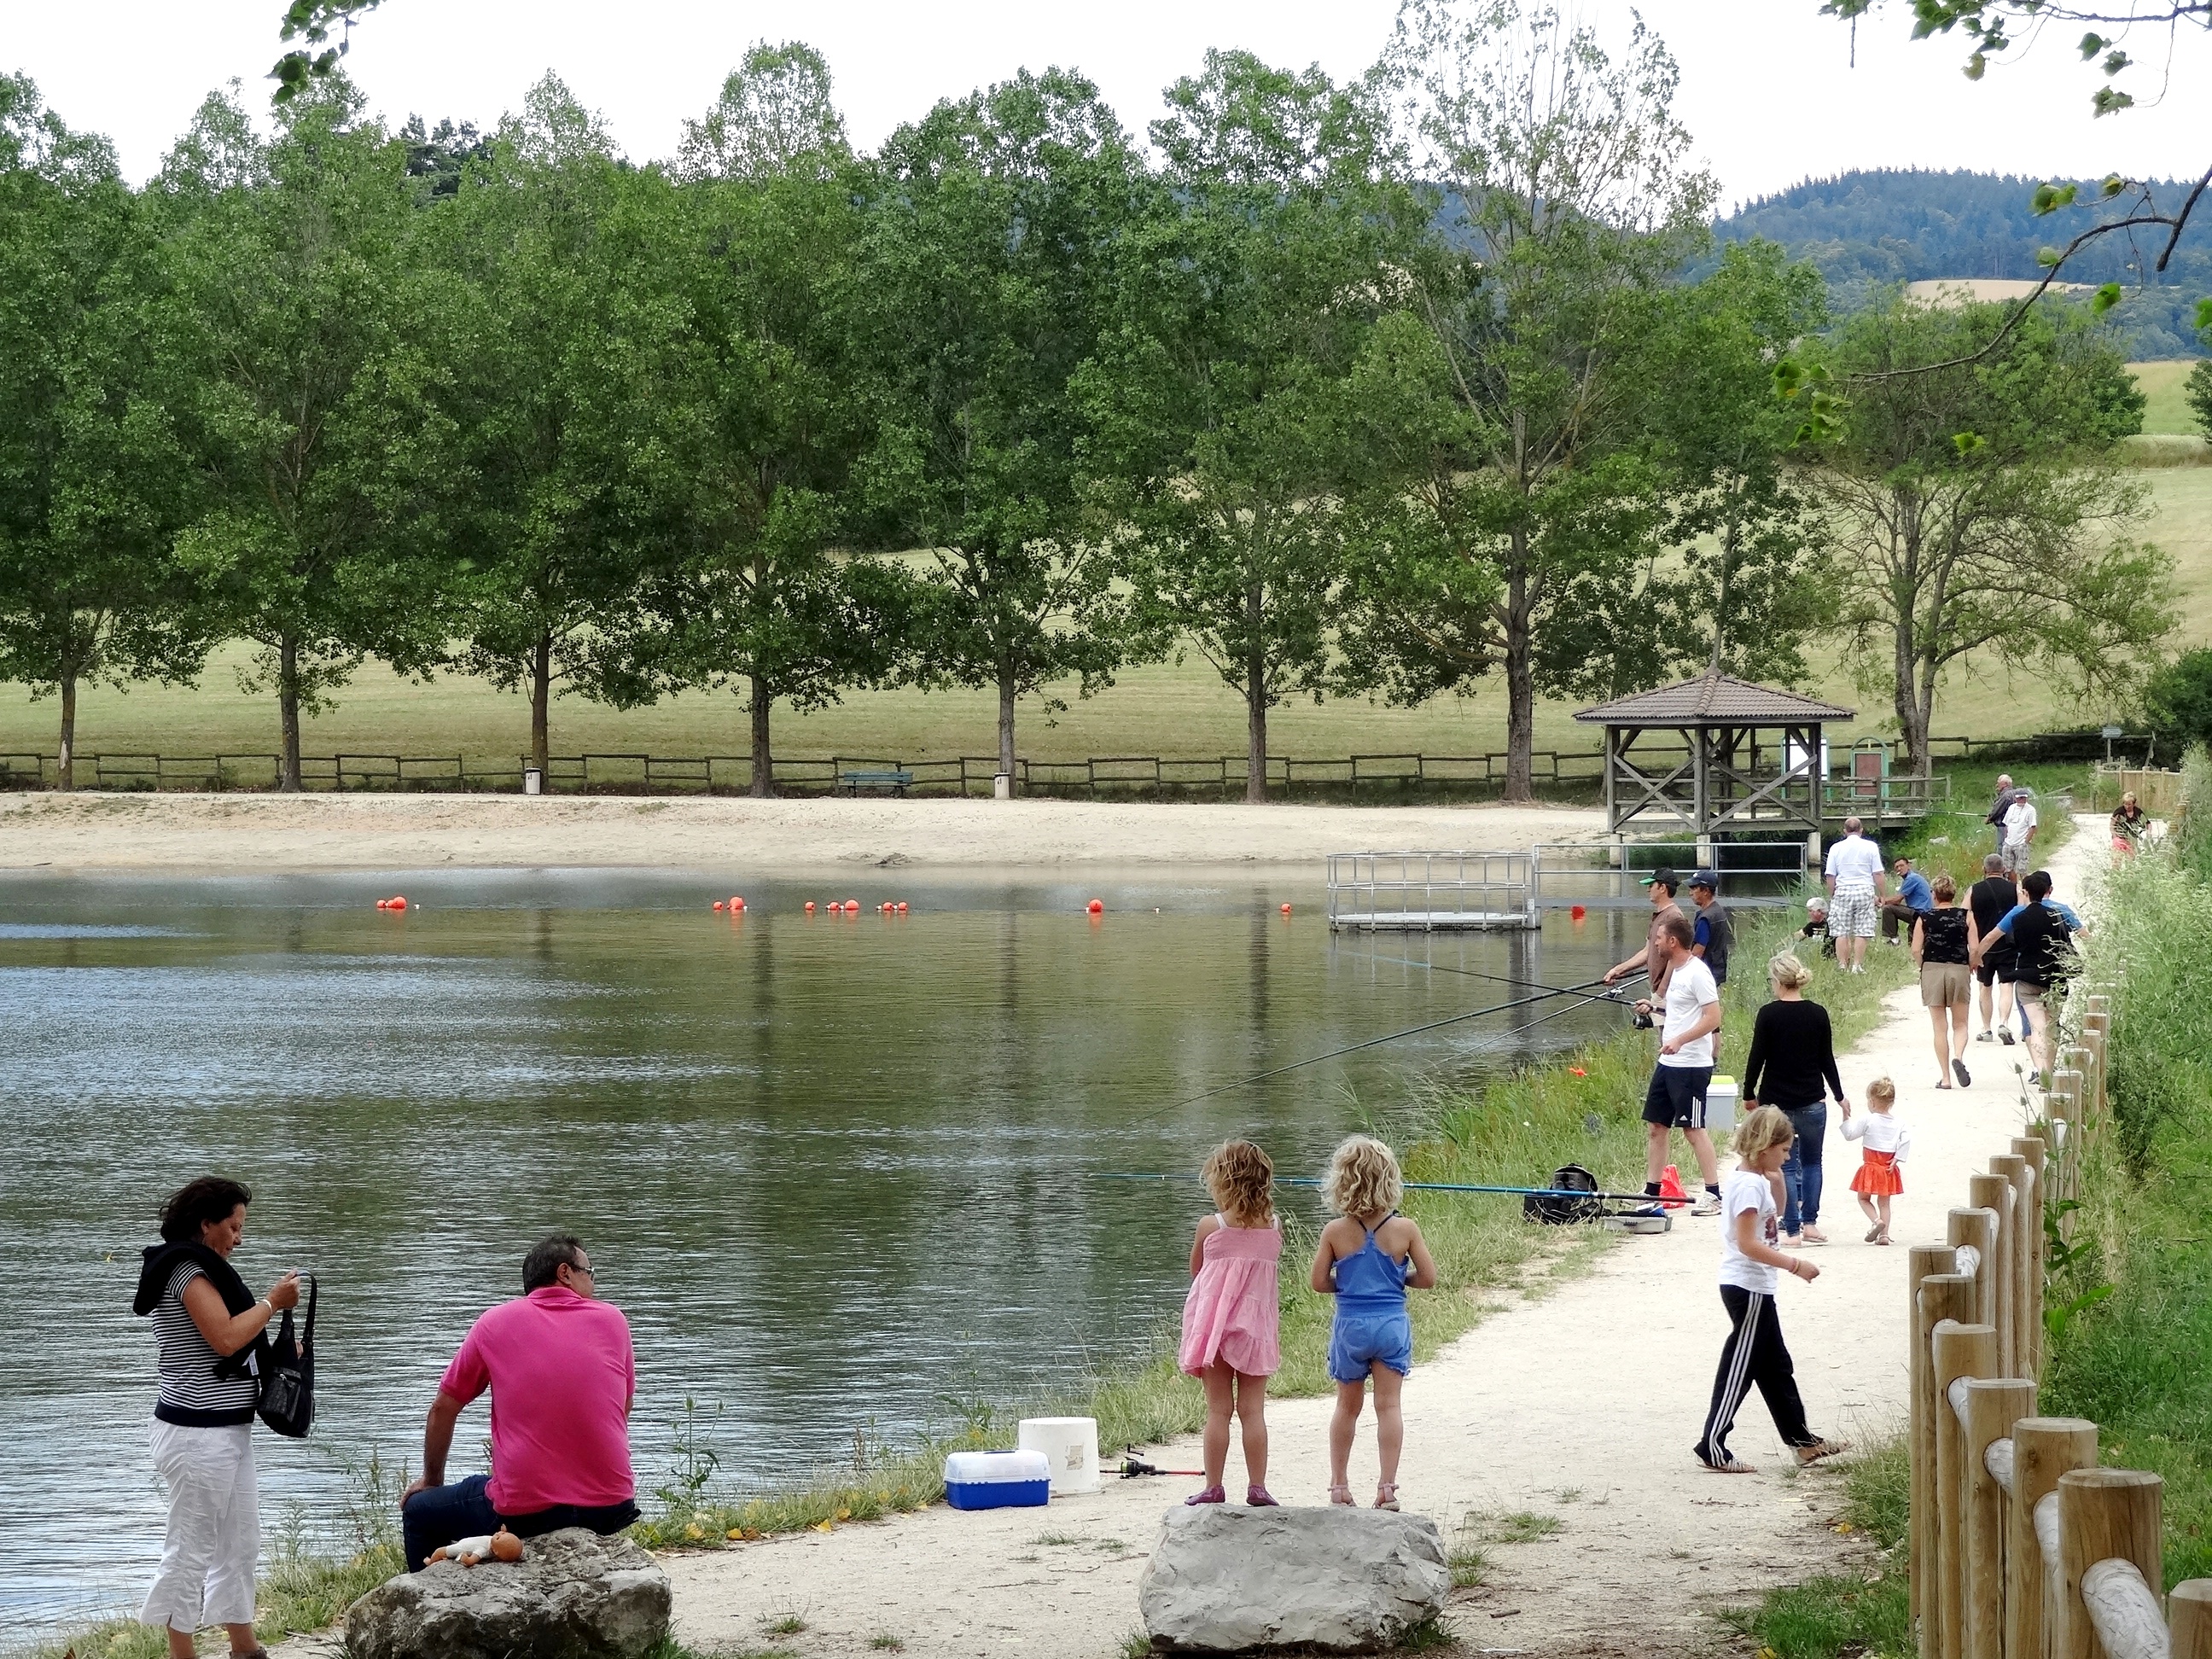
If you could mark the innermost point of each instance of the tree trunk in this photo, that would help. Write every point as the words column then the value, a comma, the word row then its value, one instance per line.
column 1520, row 682
column 1720, row 593
column 288, row 713
column 1256, row 698
column 65, row 766
column 763, row 761
column 541, row 700
column 1007, row 721
column 1904, row 699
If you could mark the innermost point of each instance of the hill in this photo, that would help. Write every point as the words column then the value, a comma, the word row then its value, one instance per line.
column 1866, row 230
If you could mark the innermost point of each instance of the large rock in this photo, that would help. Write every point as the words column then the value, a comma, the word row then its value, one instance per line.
column 574, row 1595
column 1221, row 1579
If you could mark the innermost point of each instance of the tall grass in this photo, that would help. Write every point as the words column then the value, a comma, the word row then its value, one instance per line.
column 1867, row 1613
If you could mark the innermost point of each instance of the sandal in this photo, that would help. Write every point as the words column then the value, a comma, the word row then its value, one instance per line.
column 1259, row 1498
column 1386, row 1495
column 1341, row 1497
column 1732, row 1467
column 1966, row 1078
column 1883, row 1237
column 1808, row 1455
column 1813, row 1235
column 1873, row 1234
column 1211, row 1495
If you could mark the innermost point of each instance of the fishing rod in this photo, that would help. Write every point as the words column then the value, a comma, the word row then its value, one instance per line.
column 1416, row 1187
column 1501, row 979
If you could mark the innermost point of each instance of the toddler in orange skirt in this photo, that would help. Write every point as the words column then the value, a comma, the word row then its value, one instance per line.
column 1232, row 1315
column 1880, row 1175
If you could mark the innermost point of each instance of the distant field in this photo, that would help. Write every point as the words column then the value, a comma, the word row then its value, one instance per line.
column 2162, row 383
column 1164, row 709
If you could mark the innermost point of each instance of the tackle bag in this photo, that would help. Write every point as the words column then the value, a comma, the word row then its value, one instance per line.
column 287, row 1375
column 1556, row 1212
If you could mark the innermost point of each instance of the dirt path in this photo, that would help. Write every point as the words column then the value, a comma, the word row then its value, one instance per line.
column 1577, row 1409
column 416, row 832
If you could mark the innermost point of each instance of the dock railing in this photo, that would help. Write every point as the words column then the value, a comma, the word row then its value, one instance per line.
column 1429, row 891
column 2021, row 1546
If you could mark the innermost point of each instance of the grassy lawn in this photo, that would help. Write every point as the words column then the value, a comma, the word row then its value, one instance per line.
column 2162, row 383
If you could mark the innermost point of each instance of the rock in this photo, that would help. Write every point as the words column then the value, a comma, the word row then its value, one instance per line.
column 1223, row 1578
column 574, row 1595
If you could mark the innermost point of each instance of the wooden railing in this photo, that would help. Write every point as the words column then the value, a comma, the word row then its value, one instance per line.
column 2021, row 1546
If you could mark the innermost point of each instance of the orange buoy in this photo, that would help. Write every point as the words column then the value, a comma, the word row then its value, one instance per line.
column 851, row 907
column 1096, row 906
column 718, row 904
column 384, row 904
column 736, row 904
column 1578, row 913
column 810, row 907
column 1286, row 909
column 902, row 907
column 399, row 904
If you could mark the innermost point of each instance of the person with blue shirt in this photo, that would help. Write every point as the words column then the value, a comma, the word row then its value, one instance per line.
column 1913, row 899
column 2041, row 931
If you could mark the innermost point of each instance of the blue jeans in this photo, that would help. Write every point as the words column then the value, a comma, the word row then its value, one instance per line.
column 444, row 1514
column 1801, row 1175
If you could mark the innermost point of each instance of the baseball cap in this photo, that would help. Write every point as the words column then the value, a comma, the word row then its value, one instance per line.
column 1707, row 878
column 1666, row 879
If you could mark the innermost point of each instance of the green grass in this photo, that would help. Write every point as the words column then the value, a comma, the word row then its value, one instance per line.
column 2161, row 382
column 1835, row 1614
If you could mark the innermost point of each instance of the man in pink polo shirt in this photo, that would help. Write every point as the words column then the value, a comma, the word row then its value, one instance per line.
column 558, row 1362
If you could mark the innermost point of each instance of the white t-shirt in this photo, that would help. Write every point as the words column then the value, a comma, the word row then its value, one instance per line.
column 1688, row 991
column 1855, row 861
column 1748, row 1190
column 2020, row 818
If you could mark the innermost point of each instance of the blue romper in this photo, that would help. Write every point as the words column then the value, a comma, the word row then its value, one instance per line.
column 1371, row 1322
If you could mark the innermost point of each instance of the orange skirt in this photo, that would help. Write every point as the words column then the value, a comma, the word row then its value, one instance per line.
column 1878, row 1176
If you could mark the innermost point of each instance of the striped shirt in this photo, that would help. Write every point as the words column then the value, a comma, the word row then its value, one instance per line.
column 191, row 1394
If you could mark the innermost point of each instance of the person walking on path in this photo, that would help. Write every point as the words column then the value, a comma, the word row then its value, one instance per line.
column 1943, row 941
column 1675, row 1099
column 1880, row 1175
column 2129, row 820
column 2042, row 933
column 1793, row 1058
column 2019, row 827
column 1989, row 901
column 1369, row 1257
column 1663, row 884
column 1750, row 1267
column 206, row 1326
column 1232, row 1318
column 1854, row 878
column 2000, row 797
column 1912, row 900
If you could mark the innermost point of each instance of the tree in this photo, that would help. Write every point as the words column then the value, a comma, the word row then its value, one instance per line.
column 2197, row 389
column 1565, row 204
column 988, row 265
column 93, row 486
column 282, row 270
column 1978, row 508
column 1242, row 312
column 758, row 412
column 2177, row 698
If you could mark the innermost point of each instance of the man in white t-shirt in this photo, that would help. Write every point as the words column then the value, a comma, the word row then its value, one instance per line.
column 1676, row 1096
column 2019, row 826
column 1855, row 883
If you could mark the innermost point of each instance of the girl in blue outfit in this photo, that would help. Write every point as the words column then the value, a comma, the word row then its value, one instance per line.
column 1368, row 1256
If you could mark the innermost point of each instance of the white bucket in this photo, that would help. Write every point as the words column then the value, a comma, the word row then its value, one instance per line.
column 1070, row 1445
column 1721, row 1097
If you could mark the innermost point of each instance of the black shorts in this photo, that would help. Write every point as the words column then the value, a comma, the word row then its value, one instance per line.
column 1997, row 965
column 1676, row 1098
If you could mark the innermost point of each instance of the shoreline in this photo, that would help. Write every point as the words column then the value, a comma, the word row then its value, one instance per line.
column 189, row 834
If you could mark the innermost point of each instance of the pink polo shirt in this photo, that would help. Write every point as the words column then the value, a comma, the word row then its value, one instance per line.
column 562, row 1376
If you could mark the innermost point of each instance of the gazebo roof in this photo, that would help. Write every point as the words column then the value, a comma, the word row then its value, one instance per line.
column 1714, row 700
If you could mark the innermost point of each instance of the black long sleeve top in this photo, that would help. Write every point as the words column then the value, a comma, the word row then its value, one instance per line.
column 1793, row 1051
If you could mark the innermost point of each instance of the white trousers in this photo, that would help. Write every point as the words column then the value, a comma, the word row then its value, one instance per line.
column 214, row 1541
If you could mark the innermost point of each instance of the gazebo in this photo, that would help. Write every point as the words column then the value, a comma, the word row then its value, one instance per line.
column 1719, row 754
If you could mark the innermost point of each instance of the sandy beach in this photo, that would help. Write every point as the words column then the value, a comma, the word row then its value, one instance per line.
column 184, row 832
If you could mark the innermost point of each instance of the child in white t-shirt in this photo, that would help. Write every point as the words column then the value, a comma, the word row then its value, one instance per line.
column 1754, row 1351
column 1881, row 1176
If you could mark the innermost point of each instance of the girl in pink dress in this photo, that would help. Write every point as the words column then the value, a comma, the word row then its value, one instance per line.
column 1232, row 1315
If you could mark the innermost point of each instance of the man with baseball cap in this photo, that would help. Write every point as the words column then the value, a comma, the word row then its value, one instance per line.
column 1663, row 884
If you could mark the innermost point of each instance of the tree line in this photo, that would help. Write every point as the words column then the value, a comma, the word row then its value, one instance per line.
column 1382, row 389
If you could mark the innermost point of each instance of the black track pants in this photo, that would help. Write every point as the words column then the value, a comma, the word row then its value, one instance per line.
column 1753, row 1353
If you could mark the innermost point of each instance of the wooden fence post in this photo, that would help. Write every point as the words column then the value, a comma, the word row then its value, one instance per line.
column 2188, row 1619
column 2020, row 1217
column 1956, row 1351
column 2064, row 1108
column 2034, row 1149
column 2104, row 1514
column 1992, row 1408
column 2042, row 1449
column 1925, row 1309
column 1974, row 1228
column 1993, row 1193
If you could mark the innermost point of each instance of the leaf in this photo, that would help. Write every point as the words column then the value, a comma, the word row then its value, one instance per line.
column 2203, row 315
column 1790, row 375
column 1977, row 66
column 2113, row 185
column 2048, row 257
column 2049, row 198
column 1965, row 442
column 2115, row 62
column 2091, row 45
column 2103, row 298
column 2109, row 101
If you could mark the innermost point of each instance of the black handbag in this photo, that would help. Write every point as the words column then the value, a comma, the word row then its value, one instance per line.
column 287, row 1375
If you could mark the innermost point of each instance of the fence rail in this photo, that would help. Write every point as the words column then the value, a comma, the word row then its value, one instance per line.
column 2021, row 1547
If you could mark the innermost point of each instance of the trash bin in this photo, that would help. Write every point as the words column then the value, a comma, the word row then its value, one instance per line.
column 533, row 781
column 1002, row 786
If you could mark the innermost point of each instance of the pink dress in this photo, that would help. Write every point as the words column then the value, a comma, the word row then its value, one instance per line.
column 1233, row 1313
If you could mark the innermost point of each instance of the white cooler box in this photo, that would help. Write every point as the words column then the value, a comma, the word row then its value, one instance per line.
column 997, row 1481
column 1723, row 1096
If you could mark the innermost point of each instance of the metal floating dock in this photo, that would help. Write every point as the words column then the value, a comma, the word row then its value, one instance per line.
column 1442, row 891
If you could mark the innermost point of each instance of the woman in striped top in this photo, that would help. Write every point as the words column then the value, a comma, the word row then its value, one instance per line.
column 207, row 1335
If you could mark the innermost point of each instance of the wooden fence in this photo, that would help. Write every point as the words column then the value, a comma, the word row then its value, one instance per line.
column 2021, row 1546
column 2158, row 794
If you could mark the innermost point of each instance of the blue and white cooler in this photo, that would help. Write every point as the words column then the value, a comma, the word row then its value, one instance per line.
column 997, row 1481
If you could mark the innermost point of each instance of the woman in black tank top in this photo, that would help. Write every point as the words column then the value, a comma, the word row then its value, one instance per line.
column 1943, row 942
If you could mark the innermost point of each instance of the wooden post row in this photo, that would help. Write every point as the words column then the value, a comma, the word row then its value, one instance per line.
column 1930, row 1302
column 2036, row 1151
column 1970, row 1227
column 2042, row 1449
column 1992, row 1408
column 2020, row 1217
column 2103, row 1513
column 1956, row 1351
column 1993, row 1194
column 2188, row 1619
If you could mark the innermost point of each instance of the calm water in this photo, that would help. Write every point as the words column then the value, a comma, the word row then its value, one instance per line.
column 836, row 1173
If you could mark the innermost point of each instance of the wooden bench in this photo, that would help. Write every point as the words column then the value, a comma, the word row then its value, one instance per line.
column 854, row 782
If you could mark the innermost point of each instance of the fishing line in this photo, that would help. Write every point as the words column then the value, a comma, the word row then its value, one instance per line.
column 1409, row 1186
column 1501, row 979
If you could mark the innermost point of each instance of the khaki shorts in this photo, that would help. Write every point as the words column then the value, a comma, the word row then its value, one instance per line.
column 2027, row 990
column 1946, row 984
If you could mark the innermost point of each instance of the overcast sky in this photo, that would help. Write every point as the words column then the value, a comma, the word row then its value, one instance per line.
column 1768, row 89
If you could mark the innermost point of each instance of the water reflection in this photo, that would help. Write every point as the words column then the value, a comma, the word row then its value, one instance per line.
column 833, row 1170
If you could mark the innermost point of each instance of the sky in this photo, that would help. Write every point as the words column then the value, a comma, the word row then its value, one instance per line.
column 1769, row 90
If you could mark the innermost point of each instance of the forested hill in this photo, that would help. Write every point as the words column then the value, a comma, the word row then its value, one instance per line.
column 1868, row 229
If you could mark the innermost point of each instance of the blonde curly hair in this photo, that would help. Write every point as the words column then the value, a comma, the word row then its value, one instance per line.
column 1243, row 1183
column 1767, row 1127
column 1364, row 1178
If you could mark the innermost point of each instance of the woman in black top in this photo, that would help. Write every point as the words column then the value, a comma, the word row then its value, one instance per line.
column 1943, row 941
column 1793, row 1053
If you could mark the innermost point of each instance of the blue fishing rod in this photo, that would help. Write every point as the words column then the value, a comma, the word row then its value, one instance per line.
column 1410, row 1186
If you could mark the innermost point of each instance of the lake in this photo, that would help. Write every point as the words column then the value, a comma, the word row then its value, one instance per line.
column 840, row 1173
